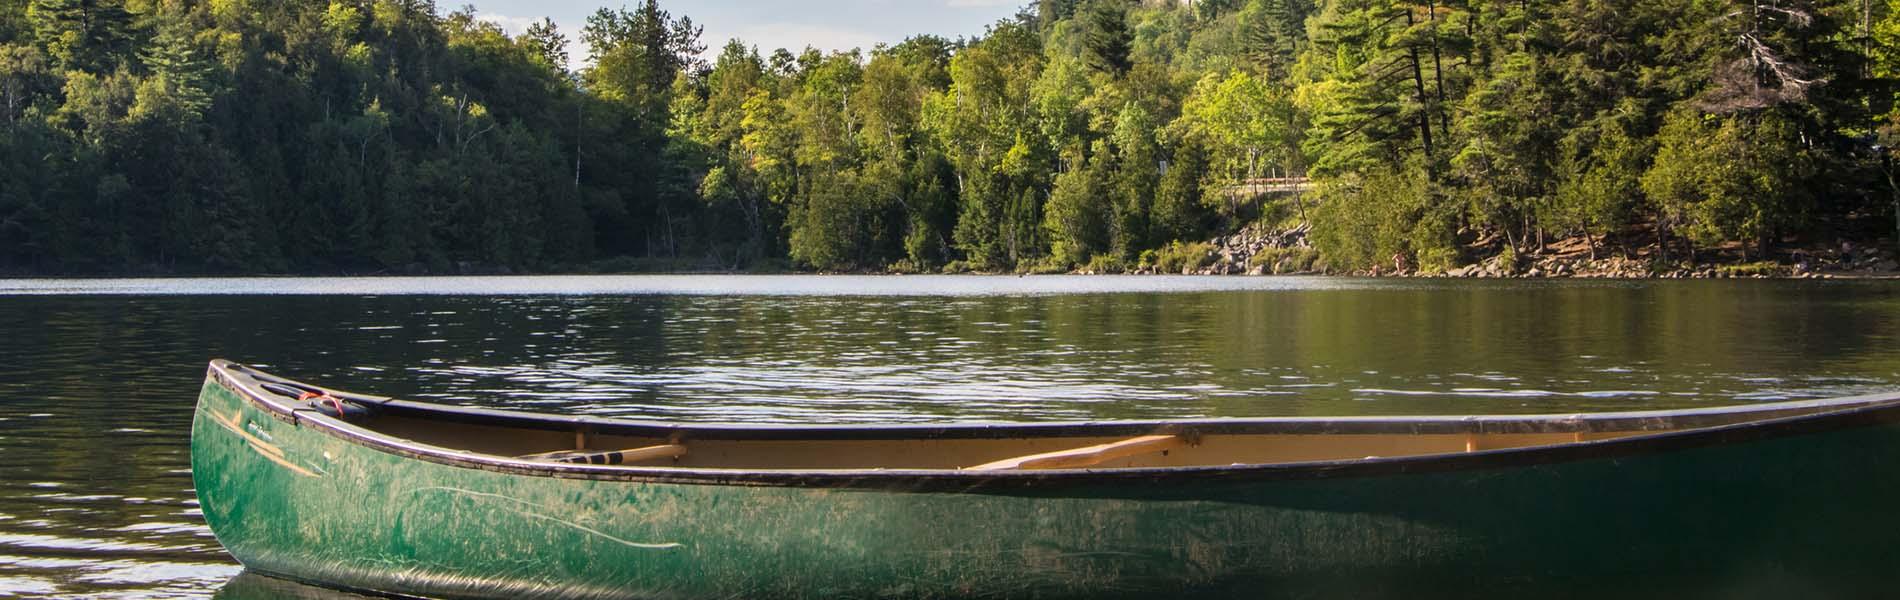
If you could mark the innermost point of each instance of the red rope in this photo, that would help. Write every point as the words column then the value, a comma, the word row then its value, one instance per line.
column 334, row 402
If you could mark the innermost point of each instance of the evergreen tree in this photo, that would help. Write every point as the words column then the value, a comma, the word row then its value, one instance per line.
column 179, row 85
column 546, row 42
column 24, row 78
column 82, row 35
column 1274, row 33
column 1106, row 37
column 1600, row 184
column 1076, row 218
column 1134, row 183
column 1050, row 12
column 1178, row 213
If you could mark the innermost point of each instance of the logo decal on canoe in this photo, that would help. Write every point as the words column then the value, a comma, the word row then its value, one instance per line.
column 231, row 423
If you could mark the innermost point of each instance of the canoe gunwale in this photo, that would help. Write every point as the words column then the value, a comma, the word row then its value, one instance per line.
column 1782, row 419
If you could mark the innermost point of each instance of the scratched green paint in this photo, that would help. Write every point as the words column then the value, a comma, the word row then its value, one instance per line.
column 1792, row 514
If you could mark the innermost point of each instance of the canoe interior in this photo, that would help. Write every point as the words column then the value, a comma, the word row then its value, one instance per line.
column 705, row 450
column 928, row 454
column 1116, row 445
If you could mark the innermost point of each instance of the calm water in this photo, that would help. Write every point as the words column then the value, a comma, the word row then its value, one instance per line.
column 97, row 378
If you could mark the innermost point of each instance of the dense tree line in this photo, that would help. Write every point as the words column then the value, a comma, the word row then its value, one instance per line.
column 387, row 135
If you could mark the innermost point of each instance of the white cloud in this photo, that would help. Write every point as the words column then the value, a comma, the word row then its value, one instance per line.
column 515, row 26
column 792, row 36
column 511, row 24
column 981, row 3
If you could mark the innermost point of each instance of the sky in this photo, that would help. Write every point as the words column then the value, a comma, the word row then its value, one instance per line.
column 767, row 24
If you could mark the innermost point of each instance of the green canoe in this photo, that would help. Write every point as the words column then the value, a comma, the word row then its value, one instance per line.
column 395, row 497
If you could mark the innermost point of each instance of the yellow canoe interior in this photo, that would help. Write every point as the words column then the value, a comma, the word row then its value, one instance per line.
column 529, row 439
column 1159, row 448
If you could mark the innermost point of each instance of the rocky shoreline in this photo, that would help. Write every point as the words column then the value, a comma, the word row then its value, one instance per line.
column 1254, row 250
column 1534, row 267
column 1259, row 250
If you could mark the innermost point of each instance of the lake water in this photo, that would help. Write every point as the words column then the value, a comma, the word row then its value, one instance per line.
column 98, row 377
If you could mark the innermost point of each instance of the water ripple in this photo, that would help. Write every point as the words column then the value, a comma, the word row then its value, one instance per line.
column 97, row 377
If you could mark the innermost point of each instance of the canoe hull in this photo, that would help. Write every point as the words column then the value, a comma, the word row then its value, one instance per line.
column 1812, row 512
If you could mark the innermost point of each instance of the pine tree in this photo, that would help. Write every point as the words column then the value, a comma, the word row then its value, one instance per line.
column 549, row 44
column 1178, row 213
column 1076, row 217
column 1050, row 12
column 1273, row 33
column 1371, row 120
column 82, row 35
column 178, row 88
column 1106, row 37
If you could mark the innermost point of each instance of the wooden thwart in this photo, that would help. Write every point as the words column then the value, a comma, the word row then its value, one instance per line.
column 616, row 457
column 1087, row 456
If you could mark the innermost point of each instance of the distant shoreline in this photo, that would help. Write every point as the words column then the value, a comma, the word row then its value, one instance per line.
column 1474, row 271
column 1254, row 250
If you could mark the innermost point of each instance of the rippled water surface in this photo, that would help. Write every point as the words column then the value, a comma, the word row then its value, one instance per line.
column 97, row 377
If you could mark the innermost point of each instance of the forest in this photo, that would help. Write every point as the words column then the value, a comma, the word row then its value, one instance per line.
column 396, row 136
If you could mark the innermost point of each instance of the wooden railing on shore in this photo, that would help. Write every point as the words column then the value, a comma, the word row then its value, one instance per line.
column 1271, row 185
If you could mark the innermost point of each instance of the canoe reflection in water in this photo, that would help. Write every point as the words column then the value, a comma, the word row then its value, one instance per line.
column 252, row 586
column 395, row 497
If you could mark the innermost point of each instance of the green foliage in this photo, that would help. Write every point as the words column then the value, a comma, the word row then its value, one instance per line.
column 1106, row 264
column 82, row 35
column 1384, row 99
column 1885, row 55
column 1106, row 36
column 1601, row 185
column 1508, row 148
column 360, row 136
column 25, row 75
column 1718, row 179
column 1076, row 218
column 988, row 136
column 1751, row 269
column 1133, row 180
column 1686, row 171
column 826, row 230
column 1273, row 33
column 544, row 41
column 1283, row 261
column 179, row 88
column 1368, row 222
column 1246, row 125
column 1178, row 213
column 1177, row 257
